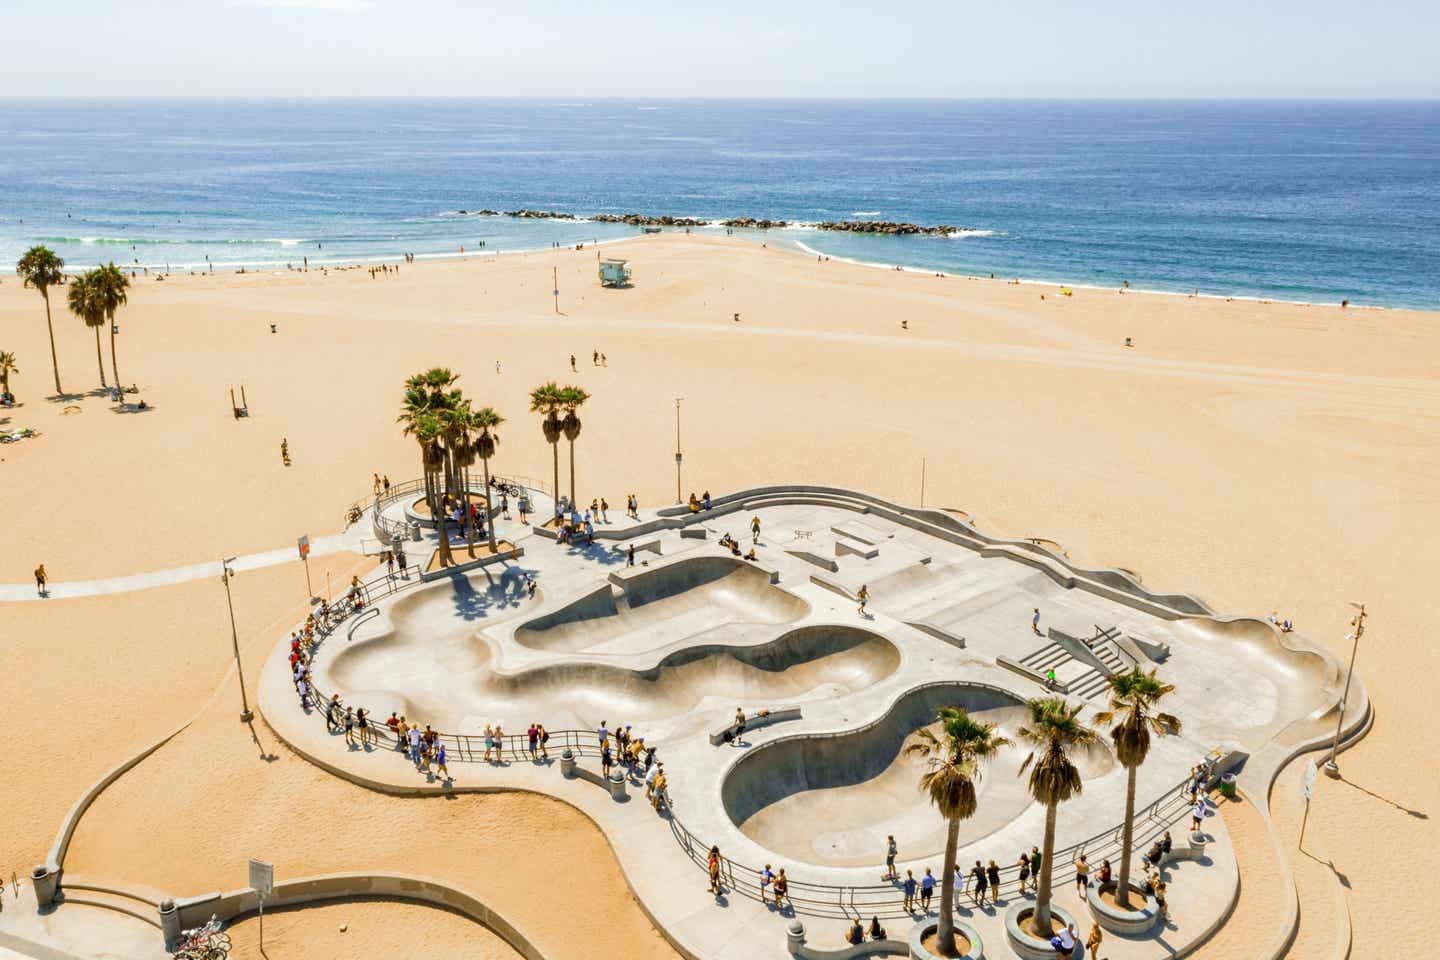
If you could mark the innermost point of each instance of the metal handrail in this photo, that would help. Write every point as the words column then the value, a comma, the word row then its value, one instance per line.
column 389, row 529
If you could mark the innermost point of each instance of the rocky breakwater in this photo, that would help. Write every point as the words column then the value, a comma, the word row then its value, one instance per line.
column 889, row 227
column 642, row 220
column 750, row 223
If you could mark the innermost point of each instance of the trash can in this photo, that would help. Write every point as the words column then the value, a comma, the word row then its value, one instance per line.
column 1227, row 786
column 415, row 531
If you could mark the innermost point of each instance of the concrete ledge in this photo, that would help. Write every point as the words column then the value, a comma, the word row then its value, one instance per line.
column 514, row 553
column 866, row 551
column 795, row 943
column 1033, row 948
column 335, row 886
column 695, row 533
column 832, row 586
column 938, row 632
column 1130, row 923
column 1015, row 666
column 755, row 721
column 920, row 931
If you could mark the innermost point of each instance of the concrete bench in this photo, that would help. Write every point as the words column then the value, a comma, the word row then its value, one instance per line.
column 795, row 943
column 867, row 551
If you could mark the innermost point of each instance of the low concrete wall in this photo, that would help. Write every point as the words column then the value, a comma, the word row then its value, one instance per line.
column 756, row 722
column 194, row 911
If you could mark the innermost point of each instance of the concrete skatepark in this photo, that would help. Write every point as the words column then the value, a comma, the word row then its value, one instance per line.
column 676, row 643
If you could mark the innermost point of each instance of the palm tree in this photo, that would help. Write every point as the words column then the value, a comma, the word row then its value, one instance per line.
column 485, row 420
column 108, row 285
column 423, row 412
column 42, row 269
column 460, row 442
column 1133, row 697
column 1053, row 730
column 953, row 759
column 572, row 399
column 7, row 367
column 546, row 400
column 82, row 301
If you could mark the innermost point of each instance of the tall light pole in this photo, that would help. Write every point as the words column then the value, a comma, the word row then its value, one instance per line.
column 1332, row 769
column 226, row 573
column 678, row 457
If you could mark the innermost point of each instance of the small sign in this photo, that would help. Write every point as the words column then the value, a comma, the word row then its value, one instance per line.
column 678, row 458
column 1309, row 781
column 262, row 877
column 304, row 545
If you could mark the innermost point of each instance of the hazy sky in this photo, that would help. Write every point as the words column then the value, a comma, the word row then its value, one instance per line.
column 646, row 48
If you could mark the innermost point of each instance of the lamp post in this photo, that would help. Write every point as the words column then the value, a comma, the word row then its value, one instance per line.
column 226, row 573
column 678, row 457
column 1332, row 769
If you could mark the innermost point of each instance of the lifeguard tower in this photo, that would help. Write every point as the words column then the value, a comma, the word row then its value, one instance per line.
column 614, row 273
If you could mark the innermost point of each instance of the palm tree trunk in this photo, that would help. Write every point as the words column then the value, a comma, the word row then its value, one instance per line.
column 100, row 359
column 115, row 366
column 54, row 359
column 945, row 931
column 572, row 472
column 469, row 520
column 1041, row 917
column 1127, row 842
column 555, row 462
column 489, row 511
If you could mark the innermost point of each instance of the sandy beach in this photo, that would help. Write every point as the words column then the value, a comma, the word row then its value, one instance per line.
column 1264, row 456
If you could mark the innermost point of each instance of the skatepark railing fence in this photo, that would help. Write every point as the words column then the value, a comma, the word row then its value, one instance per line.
column 389, row 528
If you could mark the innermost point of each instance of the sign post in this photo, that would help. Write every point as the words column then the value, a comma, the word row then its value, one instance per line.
column 1308, row 785
column 262, row 881
column 303, row 545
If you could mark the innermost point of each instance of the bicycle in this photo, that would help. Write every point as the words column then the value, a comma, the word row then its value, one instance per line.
column 205, row 942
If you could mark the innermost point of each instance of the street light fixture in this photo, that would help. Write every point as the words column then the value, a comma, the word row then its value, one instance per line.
column 678, row 457
column 1332, row 769
column 226, row 573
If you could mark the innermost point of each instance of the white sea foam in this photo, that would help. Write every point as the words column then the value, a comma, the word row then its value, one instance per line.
column 865, row 213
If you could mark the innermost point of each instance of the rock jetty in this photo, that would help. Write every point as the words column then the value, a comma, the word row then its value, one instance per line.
column 885, row 226
column 888, row 227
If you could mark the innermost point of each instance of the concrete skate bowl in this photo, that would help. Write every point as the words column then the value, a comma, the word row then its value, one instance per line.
column 831, row 799
column 1254, row 682
column 655, row 608
column 808, row 663
column 461, row 691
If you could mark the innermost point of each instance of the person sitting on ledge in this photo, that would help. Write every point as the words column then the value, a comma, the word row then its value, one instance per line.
column 694, row 503
column 877, row 932
column 705, row 500
column 726, row 540
column 734, row 548
column 750, row 555
column 856, row 933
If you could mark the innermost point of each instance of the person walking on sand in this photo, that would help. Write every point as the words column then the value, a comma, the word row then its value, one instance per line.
column 891, row 850
column 377, row 484
column 595, row 358
column 1035, row 623
column 864, row 597
column 285, row 451
column 572, row 364
column 385, row 482
column 40, row 579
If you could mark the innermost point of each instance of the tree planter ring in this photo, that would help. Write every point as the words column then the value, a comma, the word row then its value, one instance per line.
column 1126, row 922
column 1033, row 948
column 922, row 930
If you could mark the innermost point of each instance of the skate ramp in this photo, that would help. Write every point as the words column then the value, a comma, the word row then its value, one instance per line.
column 654, row 608
column 832, row 800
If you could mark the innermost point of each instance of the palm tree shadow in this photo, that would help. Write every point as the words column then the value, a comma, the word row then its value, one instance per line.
column 71, row 397
column 132, row 408
column 600, row 554
column 507, row 591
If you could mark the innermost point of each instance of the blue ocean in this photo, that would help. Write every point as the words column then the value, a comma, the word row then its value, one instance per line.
column 1309, row 201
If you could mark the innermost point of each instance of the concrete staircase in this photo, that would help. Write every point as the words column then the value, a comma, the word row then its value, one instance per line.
column 1091, row 682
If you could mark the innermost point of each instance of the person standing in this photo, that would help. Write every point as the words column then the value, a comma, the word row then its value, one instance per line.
column 981, row 882
column 605, row 760
column 630, row 556
column 891, row 850
column 1035, row 623
column 40, row 579
column 544, row 739
column 864, row 597
column 755, row 529
column 1092, row 942
column 533, row 734
column 403, row 561
column 713, row 868
column 1082, row 875
column 440, row 759
column 927, row 890
column 385, row 482
column 767, row 877
column 992, row 875
column 908, row 888
column 1024, row 872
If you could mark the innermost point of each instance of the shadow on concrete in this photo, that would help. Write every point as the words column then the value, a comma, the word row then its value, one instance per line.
column 505, row 592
